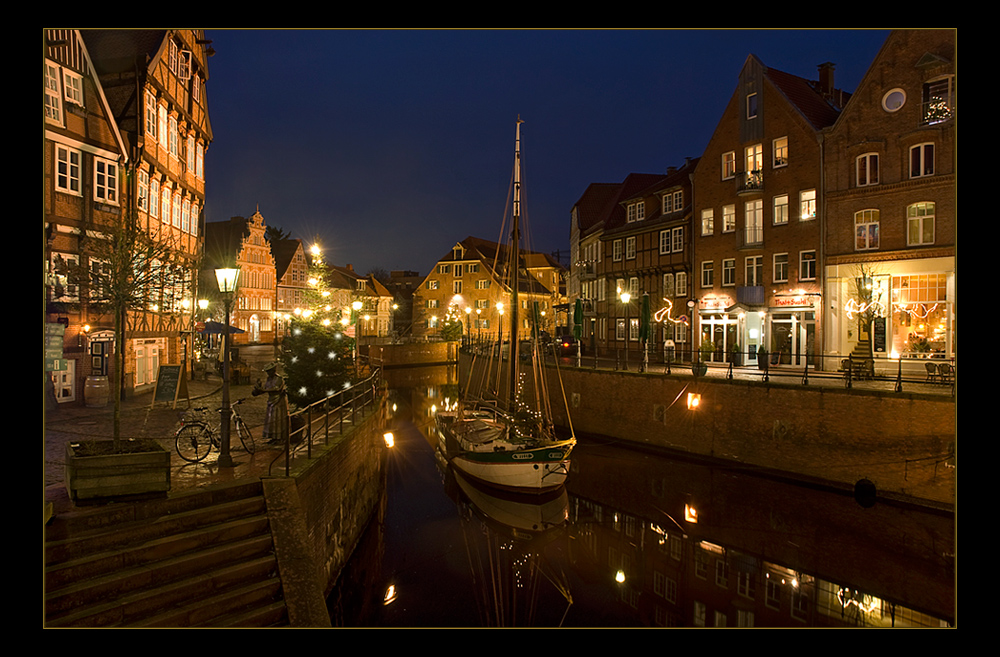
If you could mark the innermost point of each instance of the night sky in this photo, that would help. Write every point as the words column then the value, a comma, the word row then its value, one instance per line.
column 388, row 146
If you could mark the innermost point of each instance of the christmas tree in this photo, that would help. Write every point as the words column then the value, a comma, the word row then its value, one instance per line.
column 318, row 353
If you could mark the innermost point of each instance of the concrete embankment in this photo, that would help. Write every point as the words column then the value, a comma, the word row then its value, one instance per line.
column 903, row 443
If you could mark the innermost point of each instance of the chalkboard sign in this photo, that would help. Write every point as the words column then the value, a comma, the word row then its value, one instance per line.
column 170, row 385
column 878, row 335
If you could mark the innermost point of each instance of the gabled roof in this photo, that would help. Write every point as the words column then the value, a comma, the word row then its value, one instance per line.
column 284, row 251
column 804, row 95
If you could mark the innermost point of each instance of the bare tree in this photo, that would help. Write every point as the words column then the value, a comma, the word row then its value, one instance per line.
column 130, row 271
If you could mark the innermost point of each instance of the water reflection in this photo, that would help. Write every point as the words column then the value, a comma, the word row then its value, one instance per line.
column 636, row 540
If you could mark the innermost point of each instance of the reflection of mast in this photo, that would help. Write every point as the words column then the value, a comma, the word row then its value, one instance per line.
column 505, row 540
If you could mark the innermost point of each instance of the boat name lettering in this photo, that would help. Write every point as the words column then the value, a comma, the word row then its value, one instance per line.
column 523, row 457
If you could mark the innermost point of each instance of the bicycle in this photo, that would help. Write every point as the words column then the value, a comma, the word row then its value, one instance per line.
column 195, row 439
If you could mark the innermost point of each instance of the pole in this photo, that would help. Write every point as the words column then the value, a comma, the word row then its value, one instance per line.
column 225, row 458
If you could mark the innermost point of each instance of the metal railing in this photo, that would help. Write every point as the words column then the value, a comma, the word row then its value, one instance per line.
column 315, row 423
column 934, row 373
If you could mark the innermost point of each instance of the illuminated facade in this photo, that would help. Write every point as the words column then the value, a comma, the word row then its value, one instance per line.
column 128, row 117
column 469, row 283
column 758, row 219
column 242, row 243
column 890, row 206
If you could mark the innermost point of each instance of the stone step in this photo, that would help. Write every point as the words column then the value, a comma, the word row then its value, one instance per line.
column 197, row 565
column 127, row 554
column 140, row 605
column 208, row 611
column 94, row 541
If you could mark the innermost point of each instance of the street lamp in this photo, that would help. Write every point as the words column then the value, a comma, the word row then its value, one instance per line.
column 228, row 279
column 626, row 297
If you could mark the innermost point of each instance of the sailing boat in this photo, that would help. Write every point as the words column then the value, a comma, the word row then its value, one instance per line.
column 510, row 442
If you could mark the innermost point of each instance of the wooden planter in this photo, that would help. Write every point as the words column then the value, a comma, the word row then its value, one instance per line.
column 103, row 475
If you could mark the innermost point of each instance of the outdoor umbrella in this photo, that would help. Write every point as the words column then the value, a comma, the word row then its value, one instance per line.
column 216, row 327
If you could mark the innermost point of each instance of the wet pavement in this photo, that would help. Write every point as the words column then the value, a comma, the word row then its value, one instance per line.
column 142, row 419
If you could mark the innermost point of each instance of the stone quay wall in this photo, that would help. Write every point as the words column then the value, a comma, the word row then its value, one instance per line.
column 322, row 509
column 904, row 443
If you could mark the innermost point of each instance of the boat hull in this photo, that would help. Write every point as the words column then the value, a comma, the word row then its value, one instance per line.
column 538, row 469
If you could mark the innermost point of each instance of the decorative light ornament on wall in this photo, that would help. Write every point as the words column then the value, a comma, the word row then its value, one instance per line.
column 853, row 308
column 664, row 314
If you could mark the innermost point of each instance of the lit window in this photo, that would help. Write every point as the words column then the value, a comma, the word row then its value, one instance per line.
column 866, row 230
column 920, row 224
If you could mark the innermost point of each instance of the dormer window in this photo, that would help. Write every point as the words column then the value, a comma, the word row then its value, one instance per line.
column 636, row 211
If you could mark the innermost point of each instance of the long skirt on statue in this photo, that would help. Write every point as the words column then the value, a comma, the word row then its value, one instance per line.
column 276, row 419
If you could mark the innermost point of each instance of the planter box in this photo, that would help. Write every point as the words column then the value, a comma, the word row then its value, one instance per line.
column 102, row 475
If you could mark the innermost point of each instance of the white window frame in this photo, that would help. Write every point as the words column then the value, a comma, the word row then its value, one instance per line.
column 105, row 181
column 154, row 198
column 866, row 170
column 630, row 248
column 779, row 270
column 161, row 123
column 53, row 93
column 729, row 165
column 866, row 229
column 143, row 190
column 151, row 115
column 69, row 163
column 199, row 163
column 917, row 219
column 779, row 210
column 73, row 87
column 922, row 160
column 779, row 152
column 665, row 241
column 707, row 273
column 616, row 251
column 753, row 268
column 807, row 205
column 57, row 278
column 680, row 284
column 729, row 272
column 807, row 265
column 708, row 222
column 677, row 237
column 728, row 218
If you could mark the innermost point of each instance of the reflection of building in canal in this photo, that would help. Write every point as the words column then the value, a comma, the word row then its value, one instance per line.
column 673, row 578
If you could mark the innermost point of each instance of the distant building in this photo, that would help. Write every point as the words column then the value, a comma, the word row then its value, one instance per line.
column 291, row 265
column 241, row 242
column 471, row 283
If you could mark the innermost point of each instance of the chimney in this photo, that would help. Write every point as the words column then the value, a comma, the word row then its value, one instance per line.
column 826, row 78
column 350, row 267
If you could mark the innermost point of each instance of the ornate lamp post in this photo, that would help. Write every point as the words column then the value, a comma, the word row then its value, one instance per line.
column 228, row 279
column 626, row 297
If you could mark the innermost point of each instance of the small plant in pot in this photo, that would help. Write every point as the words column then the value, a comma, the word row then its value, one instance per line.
column 700, row 366
column 762, row 356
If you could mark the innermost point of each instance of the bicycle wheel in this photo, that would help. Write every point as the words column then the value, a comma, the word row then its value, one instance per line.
column 245, row 437
column 193, row 442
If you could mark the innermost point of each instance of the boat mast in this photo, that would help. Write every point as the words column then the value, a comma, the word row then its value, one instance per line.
column 515, row 244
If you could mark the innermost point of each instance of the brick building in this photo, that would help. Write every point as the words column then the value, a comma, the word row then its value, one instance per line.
column 471, row 281
column 645, row 250
column 128, row 141
column 758, row 218
column 242, row 243
column 83, row 151
column 890, row 206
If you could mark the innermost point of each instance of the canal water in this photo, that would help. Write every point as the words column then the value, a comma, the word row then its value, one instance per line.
column 635, row 539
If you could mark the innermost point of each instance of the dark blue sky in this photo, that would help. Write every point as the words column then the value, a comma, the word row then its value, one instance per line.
column 388, row 146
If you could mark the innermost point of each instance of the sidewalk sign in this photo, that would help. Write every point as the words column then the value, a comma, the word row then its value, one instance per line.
column 170, row 385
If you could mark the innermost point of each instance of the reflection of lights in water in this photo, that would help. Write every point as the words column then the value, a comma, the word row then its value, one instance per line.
column 390, row 595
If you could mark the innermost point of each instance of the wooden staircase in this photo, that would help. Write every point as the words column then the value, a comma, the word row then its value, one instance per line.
column 203, row 558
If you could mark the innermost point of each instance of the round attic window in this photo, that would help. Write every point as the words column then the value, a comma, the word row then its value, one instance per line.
column 893, row 100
